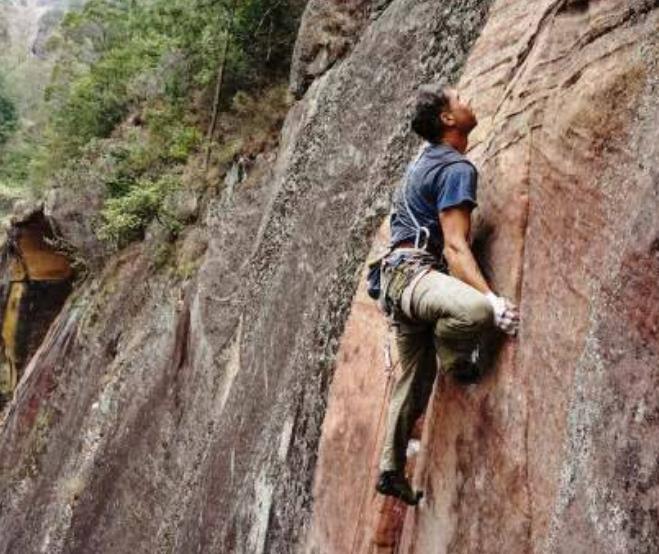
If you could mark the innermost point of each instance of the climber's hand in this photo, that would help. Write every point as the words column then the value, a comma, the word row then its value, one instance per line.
column 506, row 314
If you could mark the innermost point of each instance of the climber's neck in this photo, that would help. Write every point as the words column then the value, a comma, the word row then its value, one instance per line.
column 455, row 138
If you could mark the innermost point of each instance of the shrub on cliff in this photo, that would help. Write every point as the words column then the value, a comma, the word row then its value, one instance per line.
column 126, row 217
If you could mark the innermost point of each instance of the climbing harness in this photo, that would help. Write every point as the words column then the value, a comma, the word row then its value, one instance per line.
column 399, row 270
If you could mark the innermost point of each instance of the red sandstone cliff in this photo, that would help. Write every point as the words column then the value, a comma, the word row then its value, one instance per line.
column 558, row 449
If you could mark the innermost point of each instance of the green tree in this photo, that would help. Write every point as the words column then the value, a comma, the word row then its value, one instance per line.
column 171, row 68
column 121, row 54
column 8, row 114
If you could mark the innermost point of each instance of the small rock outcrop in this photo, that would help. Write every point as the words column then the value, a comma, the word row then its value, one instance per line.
column 36, row 285
column 328, row 31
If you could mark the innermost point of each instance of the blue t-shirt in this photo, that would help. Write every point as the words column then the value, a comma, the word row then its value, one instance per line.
column 439, row 179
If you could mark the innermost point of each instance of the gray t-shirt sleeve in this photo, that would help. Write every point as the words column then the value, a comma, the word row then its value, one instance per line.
column 457, row 186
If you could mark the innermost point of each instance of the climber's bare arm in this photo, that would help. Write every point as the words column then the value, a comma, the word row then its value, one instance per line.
column 456, row 224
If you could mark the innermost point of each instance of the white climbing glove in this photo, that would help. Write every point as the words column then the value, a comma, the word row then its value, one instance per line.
column 506, row 315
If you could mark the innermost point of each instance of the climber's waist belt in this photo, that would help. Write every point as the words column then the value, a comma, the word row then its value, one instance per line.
column 400, row 269
column 409, row 245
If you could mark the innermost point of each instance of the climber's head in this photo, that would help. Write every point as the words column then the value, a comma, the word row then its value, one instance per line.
column 439, row 112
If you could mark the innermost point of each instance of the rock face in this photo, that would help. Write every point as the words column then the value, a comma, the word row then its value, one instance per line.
column 169, row 411
column 557, row 450
column 327, row 32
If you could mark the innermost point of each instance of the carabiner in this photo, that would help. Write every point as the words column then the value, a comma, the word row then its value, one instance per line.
column 417, row 241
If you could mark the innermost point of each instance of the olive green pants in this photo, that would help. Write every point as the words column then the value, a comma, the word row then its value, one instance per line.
column 446, row 319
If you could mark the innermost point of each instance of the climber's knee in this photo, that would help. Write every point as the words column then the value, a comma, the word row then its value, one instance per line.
column 452, row 305
column 471, row 314
column 479, row 313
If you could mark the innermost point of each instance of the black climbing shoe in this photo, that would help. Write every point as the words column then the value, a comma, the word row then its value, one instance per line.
column 467, row 372
column 393, row 483
column 470, row 370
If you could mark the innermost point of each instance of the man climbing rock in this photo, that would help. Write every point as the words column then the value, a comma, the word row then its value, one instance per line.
column 431, row 285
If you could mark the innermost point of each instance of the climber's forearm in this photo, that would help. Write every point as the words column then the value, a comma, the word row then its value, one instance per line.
column 456, row 227
column 463, row 265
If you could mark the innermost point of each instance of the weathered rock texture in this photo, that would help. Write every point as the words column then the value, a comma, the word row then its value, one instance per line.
column 557, row 450
column 166, row 414
column 173, row 413
column 328, row 31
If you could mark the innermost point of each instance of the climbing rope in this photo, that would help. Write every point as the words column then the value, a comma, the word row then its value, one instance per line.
column 389, row 372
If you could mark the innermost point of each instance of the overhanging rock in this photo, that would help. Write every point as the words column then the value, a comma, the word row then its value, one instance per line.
column 36, row 280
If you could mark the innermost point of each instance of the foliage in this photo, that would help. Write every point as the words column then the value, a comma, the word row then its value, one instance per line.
column 14, row 152
column 265, row 31
column 121, row 56
column 251, row 124
column 170, row 135
column 8, row 114
column 126, row 217
column 130, row 96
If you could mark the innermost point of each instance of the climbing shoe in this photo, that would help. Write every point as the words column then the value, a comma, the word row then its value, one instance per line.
column 467, row 372
column 393, row 483
column 470, row 370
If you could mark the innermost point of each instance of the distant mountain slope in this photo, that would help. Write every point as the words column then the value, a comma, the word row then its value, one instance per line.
column 25, row 30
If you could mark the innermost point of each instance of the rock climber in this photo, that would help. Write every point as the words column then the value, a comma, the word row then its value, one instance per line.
column 430, row 283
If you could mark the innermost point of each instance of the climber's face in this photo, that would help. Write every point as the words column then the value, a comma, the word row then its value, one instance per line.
column 459, row 114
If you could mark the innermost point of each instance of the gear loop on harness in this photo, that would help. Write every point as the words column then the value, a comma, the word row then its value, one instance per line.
column 418, row 241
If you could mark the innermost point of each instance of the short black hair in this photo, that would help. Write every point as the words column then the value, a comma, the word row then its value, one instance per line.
column 430, row 101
